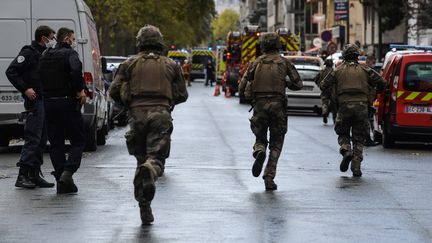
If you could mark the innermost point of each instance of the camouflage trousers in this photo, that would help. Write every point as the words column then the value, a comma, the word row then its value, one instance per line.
column 352, row 128
column 269, row 115
column 149, row 140
column 327, row 104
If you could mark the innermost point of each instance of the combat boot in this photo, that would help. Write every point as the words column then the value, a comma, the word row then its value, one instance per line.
column 347, row 157
column 37, row 178
column 355, row 168
column 259, row 162
column 146, row 214
column 269, row 183
column 23, row 179
column 148, row 175
column 66, row 183
column 325, row 120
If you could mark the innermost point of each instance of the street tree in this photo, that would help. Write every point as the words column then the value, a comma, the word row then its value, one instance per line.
column 228, row 20
column 183, row 22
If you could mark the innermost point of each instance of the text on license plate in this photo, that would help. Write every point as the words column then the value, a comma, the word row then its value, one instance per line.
column 308, row 88
column 419, row 109
column 6, row 97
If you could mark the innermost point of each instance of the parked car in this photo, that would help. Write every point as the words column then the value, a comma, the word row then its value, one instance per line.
column 19, row 19
column 404, row 110
column 117, row 115
column 308, row 98
column 306, row 60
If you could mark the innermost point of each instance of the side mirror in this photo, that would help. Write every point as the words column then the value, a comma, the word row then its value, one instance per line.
column 104, row 65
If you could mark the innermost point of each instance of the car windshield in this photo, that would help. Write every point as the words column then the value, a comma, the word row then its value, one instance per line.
column 307, row 74
column 201, row 59
column 418, row 77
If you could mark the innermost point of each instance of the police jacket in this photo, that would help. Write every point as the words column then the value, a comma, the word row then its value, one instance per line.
column 23, row 71
column 61, row 71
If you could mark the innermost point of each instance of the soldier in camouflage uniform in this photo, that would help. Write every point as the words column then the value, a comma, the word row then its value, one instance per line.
column 149, row 84
column 265, row 82
column 352, row 83
column 327, row 104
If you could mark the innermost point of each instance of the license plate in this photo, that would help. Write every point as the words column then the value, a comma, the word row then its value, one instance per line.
column 10, row 97
column 419, row 109
column 308, row 88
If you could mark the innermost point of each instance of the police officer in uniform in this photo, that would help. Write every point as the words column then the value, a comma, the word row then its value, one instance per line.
column 149, row 84
column 62, row 78
column 23, row 74
column 352, row 83
column 265, row 82
column 327, row 104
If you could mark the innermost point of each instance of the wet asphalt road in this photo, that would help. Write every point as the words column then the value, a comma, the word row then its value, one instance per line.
column 209, row 195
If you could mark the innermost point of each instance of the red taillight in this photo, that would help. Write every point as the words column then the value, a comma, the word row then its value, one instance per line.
column 88, row 81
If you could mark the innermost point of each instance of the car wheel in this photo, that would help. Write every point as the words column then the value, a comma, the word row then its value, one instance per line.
column 91, row 134
column 4, row 142
column 387, row 139
column 101, row 135
column 377, row 137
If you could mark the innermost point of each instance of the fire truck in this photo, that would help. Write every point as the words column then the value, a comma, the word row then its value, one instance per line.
column 250, row 50
column 232, row 60
column 289, row 41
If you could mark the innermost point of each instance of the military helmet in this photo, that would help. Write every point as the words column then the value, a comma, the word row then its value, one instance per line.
column 270, row 41
column 351, row 50
column 149, row 35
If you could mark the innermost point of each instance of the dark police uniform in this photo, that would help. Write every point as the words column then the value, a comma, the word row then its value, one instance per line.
column 23, row 74
column 61, row 72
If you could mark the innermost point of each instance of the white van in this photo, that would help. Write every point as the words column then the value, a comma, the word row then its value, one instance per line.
column 18, row 22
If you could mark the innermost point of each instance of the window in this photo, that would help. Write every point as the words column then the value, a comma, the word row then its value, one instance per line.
column 418, row 77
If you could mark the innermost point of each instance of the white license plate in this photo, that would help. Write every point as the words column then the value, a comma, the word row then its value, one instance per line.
column 308, row 88
column 11, row 97
column 419, row 109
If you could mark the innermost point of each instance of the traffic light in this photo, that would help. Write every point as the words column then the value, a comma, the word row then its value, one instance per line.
column 172, row 46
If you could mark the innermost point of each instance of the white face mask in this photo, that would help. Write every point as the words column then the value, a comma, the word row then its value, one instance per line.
column 51, row 43
column 74, row 45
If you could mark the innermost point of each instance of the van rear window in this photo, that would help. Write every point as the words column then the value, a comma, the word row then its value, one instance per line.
column 418, row 77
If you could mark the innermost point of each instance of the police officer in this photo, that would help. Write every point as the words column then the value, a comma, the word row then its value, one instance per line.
column 149, row 84
column 23, row 74
column 265, row 82
column 62, row 78
column 352, row 83
column 325, row 94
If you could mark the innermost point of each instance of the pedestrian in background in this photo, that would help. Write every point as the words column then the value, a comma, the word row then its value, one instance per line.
column 150, row 85
column 186, row 69
column 210, row 73
column 62, row 78
column 326, row 95
column 23, row 73
column 265, row 83
column 352, row 83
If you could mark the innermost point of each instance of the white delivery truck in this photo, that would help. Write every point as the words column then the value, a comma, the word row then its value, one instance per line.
column 18, row 21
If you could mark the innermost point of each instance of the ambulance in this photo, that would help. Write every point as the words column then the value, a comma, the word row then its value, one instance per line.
column 404, row 110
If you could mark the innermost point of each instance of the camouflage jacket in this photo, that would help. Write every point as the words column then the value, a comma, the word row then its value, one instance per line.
column 118, row 92
column 375, row 81
column 295, row 82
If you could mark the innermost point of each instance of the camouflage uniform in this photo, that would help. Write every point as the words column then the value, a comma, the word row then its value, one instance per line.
column 267, row 89
column 326, row 95
column 149, row 84
column 352, row 83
